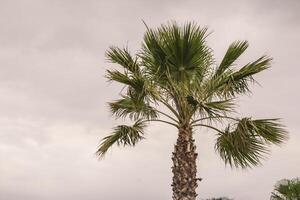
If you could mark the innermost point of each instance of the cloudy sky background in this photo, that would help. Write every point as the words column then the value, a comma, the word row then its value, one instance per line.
column 53, row 96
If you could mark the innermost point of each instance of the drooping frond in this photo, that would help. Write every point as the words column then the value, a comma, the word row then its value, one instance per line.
column 240, row 150
column 270, row 130
column 122, row 135
column 245, row 144
column 134, row 108
column 233, row 53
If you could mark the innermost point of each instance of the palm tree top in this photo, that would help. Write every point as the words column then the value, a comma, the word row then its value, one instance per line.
column 286, row 189
column 175, row 79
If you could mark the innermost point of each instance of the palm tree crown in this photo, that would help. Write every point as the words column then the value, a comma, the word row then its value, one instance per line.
column 175, row 79
column 287, row 190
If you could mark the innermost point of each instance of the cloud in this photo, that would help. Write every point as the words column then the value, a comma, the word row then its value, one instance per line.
column 53, row 98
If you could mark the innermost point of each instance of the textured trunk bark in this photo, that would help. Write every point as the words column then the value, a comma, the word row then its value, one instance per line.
column 184, row 166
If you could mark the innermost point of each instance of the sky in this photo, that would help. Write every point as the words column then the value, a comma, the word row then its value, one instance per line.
column 53, row 98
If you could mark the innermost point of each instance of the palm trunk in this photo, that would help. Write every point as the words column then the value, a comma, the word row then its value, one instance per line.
column 184, row 166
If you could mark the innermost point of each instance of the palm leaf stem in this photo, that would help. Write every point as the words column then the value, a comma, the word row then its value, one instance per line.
column 166, row 115
column 164, row 102
column 223, row 117
column 208, row 126
column 159, row 120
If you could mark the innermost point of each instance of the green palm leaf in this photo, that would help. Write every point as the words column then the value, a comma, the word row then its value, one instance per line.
column 215, row 108
column 134, row 108
column 123, row 58
column 232, row 83
column 122, row 135
column 180, row 53
column 245, row 144
column 234, row 51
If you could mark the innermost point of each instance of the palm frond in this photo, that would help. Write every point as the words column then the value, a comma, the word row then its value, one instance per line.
column 223, row 105
column 122, row 135
column 230, row 84
column 137, row 86
column 247, row 143
column 216, row 108
column 270, row 130
column 123, row 58
column 238, row 82
column 180, row 52
column 239, row 150
column 211, row 108
column 115, row 75
column 252, row 68
column 153, row 56
column 134, row 108
column 235, row 50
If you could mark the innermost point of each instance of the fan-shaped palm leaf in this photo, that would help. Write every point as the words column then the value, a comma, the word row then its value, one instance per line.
column 123, row 135
column 246, row 143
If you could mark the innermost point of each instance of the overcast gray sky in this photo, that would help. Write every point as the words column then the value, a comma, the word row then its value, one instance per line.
column 53, row 98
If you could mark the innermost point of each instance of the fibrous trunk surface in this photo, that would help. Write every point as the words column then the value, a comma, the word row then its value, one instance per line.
column 184, row 166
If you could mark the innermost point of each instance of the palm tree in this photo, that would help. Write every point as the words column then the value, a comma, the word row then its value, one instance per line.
column 287, row 190
column 175, row 80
